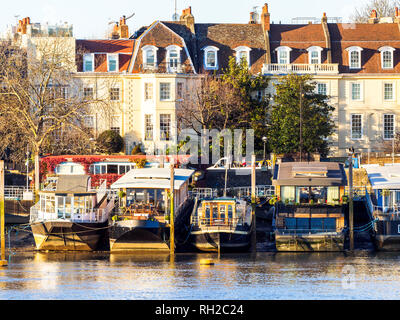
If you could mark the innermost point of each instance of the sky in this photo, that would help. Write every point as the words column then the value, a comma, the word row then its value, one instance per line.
column 90, row 18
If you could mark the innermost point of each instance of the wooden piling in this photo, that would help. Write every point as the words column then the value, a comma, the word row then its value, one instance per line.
column 3, row 261
column 253, row 204
column 171, row 215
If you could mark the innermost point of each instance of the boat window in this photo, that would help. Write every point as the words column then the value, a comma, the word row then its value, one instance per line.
column 68, row 207
column 50, row 204
column 288, row 193
column 215, row 211
column 112, row 168
column 60, row 206
column 230, row 211
column 318, row 194
column 207, row 213
column 302, row 195
column 303, row 224
column 222, row 209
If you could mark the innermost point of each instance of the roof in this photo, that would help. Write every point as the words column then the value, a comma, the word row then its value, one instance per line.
column 72, row 183
column 384, row 177
column 152, row 178
column 309, row 174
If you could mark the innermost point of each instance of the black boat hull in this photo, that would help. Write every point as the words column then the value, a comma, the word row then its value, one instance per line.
column 68, row 236
column 138, row 235
column 208, row 241
column 387, row 235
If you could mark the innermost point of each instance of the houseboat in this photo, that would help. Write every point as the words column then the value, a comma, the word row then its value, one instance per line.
column 142, row 221
column 221, row 224
column 308, row 213
column 108, row 168
column 70, row 215
column 384, row 202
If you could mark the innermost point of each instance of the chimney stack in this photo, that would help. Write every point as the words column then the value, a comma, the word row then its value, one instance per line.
column 23, row 24
column 251, row 21
column 120, row 30
column 188, row 18
column 373, row 18
column 265, row 18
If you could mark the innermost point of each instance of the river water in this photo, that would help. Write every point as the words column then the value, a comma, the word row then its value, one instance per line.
column 93, row 276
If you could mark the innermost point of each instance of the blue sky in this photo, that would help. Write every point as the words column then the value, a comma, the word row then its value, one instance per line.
column 90, row 17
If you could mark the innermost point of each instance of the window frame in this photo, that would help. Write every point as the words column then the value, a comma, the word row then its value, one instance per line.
column 281, row 49
column 148, row 119
column 146, row 49
column 316, row 49
column 85, row 58
column 394, row 126
column 361, row 98
column 359, row 50
column 383, row 50
column 116, row 56
column 167, row 138
column 169, row 88
column 119, row 116
column 178, row 58
column 393, row 91
column 361, row 123
column 146, row 91
column 112, row 95
column 243, row 49
column 206, row 51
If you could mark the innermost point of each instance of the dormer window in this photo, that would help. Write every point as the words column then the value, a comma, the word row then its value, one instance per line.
column 354, row 57
column 211, row 58
column 314, row 55
column 112, row 62
column 149, row 57
column 88, row 62
column 173, row 58
column 283, row 55
column 243, row 53
column 387, row 57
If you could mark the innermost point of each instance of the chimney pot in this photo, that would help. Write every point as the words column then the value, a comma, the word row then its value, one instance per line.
column 265, row 18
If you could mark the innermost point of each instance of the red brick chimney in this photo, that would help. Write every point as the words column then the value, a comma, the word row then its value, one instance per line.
column 265, row 18
column 188, row 18
column 22, row 25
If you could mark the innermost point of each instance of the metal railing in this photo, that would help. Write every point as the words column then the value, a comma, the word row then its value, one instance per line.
column 229, row 223
column 203, row 193
column 261, row 191
column 392, row 210
column 308, row 231
column 276, row 68
column 80, row 215
column 15, row 193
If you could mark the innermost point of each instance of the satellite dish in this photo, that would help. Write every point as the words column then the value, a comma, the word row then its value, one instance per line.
column 175, row 17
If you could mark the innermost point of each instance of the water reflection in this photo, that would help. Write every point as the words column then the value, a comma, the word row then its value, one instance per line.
column 160, row 276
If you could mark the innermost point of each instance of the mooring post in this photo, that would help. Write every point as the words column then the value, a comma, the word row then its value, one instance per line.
column 171, row 216
column 253, row 204
column 3, row 261
column 351, row 204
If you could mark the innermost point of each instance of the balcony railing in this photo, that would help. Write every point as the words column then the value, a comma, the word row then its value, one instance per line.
column 275, row 68
column 164, row 68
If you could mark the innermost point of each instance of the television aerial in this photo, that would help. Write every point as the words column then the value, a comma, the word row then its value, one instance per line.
column 124, row 17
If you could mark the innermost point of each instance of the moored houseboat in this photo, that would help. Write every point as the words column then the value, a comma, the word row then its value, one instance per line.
column 221, row 224
column 309, row 215
column 70, row 216
column 142, row 220
column 385, row 205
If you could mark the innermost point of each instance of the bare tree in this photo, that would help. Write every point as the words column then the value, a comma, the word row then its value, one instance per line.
column 384, row 8
column 210, row 103
column 39, row 95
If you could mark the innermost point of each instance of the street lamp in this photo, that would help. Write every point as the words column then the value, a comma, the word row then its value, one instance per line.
column 264, row 139
column 351, row 206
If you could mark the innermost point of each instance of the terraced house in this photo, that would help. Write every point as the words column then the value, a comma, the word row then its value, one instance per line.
column 145, row 74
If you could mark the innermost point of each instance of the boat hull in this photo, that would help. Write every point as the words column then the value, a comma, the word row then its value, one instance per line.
column 68, row 236
column 387, row 235
column 309, row 243
column 138, row 235
column 209, row 241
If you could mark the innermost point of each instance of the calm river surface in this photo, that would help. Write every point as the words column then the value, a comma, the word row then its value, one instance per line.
column 95, row 276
